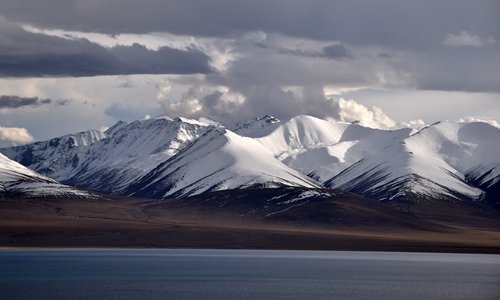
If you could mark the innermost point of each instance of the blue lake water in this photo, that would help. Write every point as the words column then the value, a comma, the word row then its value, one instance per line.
column 245, row 274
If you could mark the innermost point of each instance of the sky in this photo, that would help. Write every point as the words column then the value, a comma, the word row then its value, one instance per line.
column 73, row 65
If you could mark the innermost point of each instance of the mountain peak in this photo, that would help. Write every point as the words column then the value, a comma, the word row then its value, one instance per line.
column 190, row 121
column 219, row 159
column 255, row 126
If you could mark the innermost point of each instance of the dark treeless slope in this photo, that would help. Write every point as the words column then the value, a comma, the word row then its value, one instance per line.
column 285, row 218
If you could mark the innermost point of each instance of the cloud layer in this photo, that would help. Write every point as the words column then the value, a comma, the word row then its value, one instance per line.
column 396, row 22
column 28, row 54
column 385, row 43
column 228, row 106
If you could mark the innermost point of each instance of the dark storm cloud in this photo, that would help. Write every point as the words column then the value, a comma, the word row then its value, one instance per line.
column 389, row 22
column 410, row 35
column 27, row 54
column 10, row 101
column 336, row 52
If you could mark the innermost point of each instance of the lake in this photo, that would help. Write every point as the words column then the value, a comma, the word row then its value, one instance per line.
column 245, row 274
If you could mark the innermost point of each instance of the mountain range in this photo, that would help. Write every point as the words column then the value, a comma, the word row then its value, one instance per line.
column 173, row 158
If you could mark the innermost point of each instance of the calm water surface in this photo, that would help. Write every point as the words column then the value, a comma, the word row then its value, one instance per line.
column 245, row 274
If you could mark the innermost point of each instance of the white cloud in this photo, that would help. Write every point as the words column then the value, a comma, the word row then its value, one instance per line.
column 15, row 135
column 229, row 106
column 187, row 104
column 465, row 38
column 415, row 124
column 485, row 120
column 152, row 41
column 350, row 110
column 164, row 89
column 255, row 36
column 200, row 100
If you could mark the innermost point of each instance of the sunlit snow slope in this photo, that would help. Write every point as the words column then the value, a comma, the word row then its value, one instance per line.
column 163, row 157
column 122, row 154
column 218, row 160
column 438, row 161
column 320, row 148
column 17, row 180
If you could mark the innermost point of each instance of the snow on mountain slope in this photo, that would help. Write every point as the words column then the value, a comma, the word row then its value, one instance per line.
column 488, row 179
column 128, row 151
column 324, row 161
column 431, row 163
column 162, row 157
column 218, row 160
column 481, row 161
column 17, row 180
column 302, row 132
column 321, row 148
column 52, row 158
column 134, row 150
column 302, row 143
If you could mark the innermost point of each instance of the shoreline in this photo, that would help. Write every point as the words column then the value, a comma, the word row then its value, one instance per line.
column 7, row 248
column 381, row 246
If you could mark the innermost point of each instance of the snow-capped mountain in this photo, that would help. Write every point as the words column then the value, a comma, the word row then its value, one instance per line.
column 130, row 153
column 386, row 164
column 55, row 157
column 122, row 154
column 444, row 160
column 17, row 180
column 163, row 157
column 320, row 148
column 218, row 160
